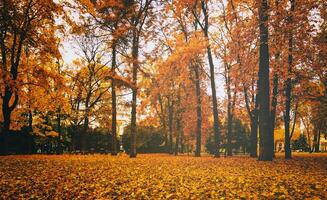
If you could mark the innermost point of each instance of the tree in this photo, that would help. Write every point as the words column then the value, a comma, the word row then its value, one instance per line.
column 265, row 148
column 205, row 28
column 140, row 12
column 23, row 23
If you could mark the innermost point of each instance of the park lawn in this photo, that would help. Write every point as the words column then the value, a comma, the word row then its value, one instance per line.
column 160, row 176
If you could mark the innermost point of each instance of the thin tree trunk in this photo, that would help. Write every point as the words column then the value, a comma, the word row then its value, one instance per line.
column 288, row 90
column 317, row 147
column 253, row 115
column 229, row 113
column 113, row 103
column 178, row 124
column 274, row 107
column 182, row 142
column 170, row 124
column 59, row 149
column 178, row 134
column 163, row 122
column 198, row 111
column 265, row 150
column 135, row 54
column 212, row 81
column 84, row 134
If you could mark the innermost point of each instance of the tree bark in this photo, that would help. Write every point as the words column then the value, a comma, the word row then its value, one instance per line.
column 163, row 122
column 84, row 134
column 178, row 134
column 288, row 89
column 59, row 149
column 212, row 81
column 274, row 107
column 135, row 54
column 6, row 111
column 229, row 112
column 113, row 103
column 170, row 124
column 253, row 115
column 198, row 111
column 265, row 150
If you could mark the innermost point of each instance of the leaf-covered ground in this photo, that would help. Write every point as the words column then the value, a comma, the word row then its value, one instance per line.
column 162, row 177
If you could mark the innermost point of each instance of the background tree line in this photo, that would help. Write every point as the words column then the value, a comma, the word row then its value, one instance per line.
column 158, row 65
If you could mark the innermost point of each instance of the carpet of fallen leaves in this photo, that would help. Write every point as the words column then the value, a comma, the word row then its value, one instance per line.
column 162, row 177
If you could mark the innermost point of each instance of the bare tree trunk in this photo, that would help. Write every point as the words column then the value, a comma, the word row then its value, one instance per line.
column 84, row 134
column 59, row 149
column 205, row 29
column 265, row 150
column 178, row 134
column 113, row 103
column 253, row 115
column 163, row 122
column 288, row 90
column 170, row 124
column 229, row 113
column 317, row 147
column 254, row 137
column 135, row 54
column 198, row 111
column 274, row 107
column 6, row 111
column 182, row 142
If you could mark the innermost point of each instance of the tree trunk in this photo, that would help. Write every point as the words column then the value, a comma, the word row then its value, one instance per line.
column 113, row 104
column 163, row 122
column 135, row 54
column 212, row 81
column 170, row 124
column 6, row 111
column 59, row 149
column 253, row 115
column 265, row 150
column 317, row 147
column 274, row 107
column 198, row 111
column 229, row 116
column 288, row 90
column 254, row 138
column 84, row 134
column 178, row 134
column 182, row 142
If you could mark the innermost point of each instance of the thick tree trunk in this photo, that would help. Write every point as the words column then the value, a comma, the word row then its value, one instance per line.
column 198, row 111
column 265, row 150
column 288, row 90
column 113, row 104
column 6, row 111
